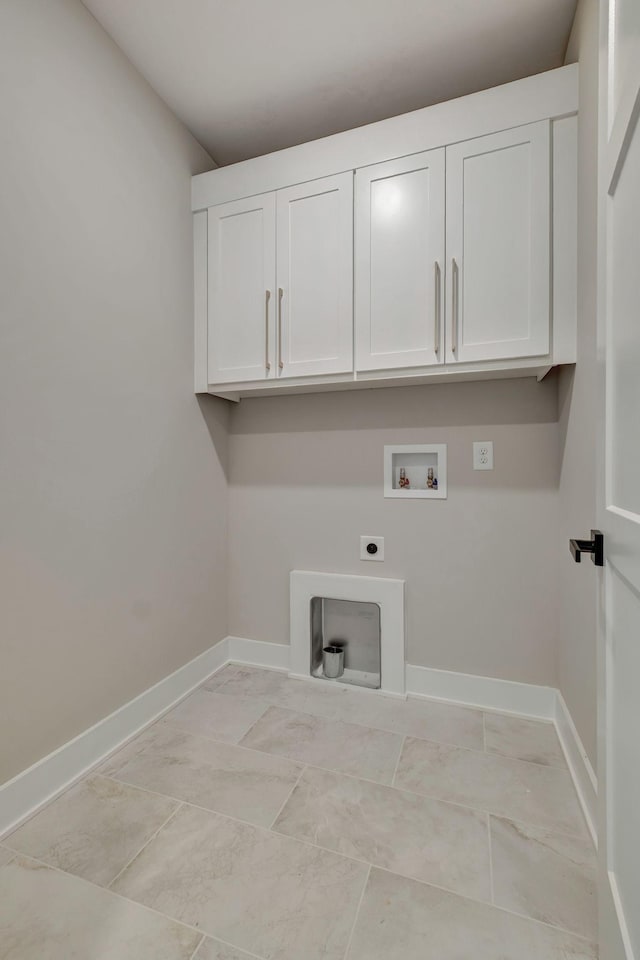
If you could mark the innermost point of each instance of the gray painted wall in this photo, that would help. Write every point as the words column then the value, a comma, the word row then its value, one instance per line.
column 481, row 567
column 113, row 489
column 113, row 538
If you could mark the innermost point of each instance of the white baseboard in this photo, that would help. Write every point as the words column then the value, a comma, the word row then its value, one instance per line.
column 488, row 693
column 579, row 764
column 40, row 783
column 613, row 919
column 259, row 653
column 505, row 696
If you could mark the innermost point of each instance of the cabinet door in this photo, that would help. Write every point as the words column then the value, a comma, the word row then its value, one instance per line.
column 241, row 284
column 498, row 245
column 315, row 277
column 399, row 262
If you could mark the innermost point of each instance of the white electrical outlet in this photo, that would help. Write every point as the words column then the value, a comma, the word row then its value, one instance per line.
column 372, row 548
column 483, row 455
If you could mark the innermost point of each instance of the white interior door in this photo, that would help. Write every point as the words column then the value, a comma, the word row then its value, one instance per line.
column 619, row 493
column 315, row 277
column 498, row 245
column 399, row 262
column 241, row 285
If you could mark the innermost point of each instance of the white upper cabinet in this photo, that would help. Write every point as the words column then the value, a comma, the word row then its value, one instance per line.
column 280, row 283
column 315, row 277
column 241, row 284
column 443, row 249
column 399, row 262
column 499, row 245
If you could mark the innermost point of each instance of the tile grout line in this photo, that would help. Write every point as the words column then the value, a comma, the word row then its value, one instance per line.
column 110, row 892
column 395, row 769
column 357, row 913
column 282, row 756
column 286, row 800
column 274, row 756
column 403, row 736
column 344, row 856
column 321, row 716
column 176, row 725
column 253, row 826
column 188, row 926
column 95, row 766
column 178, row 728
column 251, row 726
column 182, row 803
column 49, row 802
column 233, row 669
column 143, row 906
column 109, row 885
column 484, row 731
column 412, row 736
column 351, row 776
column 485, row 903
column 12, row 856
column 225, row 943
column 304, row 842
column 198, row 945
column 356, row 723
column 338, row 773
column 94, row 769
column 359, row 690
column 239, row 665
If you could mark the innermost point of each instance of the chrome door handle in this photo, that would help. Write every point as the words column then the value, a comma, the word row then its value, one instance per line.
column 267, row 362
column 454, row 306
column 437, row 308
column 280, row 296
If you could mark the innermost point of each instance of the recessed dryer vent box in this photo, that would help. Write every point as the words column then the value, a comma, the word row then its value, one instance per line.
column 354, row 627
column 416, row 471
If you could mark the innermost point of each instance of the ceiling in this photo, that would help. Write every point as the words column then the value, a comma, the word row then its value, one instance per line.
column 251, row 76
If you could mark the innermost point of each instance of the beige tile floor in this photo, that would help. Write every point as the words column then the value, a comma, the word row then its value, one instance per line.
column 279, row 819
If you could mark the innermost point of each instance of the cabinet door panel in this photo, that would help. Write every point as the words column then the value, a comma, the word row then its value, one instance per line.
column 399, row 262
column 315, row 274
column 498, row 237
column 242, row 237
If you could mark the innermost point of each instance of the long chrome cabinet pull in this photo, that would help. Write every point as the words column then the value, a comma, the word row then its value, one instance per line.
column 454, row 306
column 438, row 298
column 280, row 296
column 267, row 362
